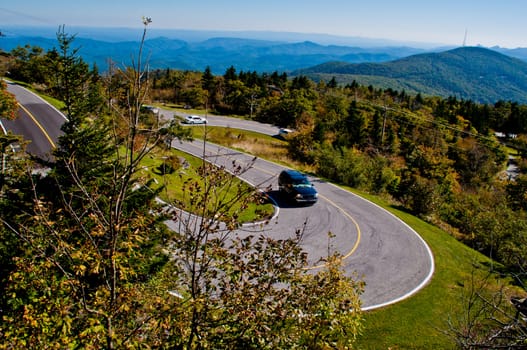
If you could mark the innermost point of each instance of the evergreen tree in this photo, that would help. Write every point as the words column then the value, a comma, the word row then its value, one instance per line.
column 208, row 84
column 230, row 74
column 84, row 147
column 356, row 125
column 332, row 84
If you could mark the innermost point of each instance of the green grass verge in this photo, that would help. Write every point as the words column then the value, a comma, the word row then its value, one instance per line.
column 173, row 183
column 419, row 322
column 264, row 146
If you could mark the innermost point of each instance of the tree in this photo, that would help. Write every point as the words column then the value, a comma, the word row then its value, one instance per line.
column 30, row 65
column 417, row 193
column 517, row 193
column 208, row 83
column 301, row 143
column 237, row 97
column 476, row 162
column 196, row 96
column 8, row 104
column 356, row 125
column 90, row 237
column 239, row 290
column 71, row 74
column 301, row 82
column 490, row 320
column 332, row 84
column 230, row 74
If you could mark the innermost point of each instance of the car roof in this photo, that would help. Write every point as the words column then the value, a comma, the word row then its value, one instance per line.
column 294, row 173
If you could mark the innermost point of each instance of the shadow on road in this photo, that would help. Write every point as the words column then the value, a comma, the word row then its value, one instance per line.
column 282, row 201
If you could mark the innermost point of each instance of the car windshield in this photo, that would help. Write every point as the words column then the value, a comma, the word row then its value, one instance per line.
column 301, row 182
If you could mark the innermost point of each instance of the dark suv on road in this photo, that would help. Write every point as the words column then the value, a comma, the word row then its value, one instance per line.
column 297, row 187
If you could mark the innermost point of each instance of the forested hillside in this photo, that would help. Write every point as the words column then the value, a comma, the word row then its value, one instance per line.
column 475, row 73
column 437, row 158
column 471, row 73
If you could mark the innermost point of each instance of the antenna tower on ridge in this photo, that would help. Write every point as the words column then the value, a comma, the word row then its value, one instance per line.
column 465, row 38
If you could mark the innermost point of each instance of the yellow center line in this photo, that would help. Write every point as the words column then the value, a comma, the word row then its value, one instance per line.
column 39, row 125
column 346, row 214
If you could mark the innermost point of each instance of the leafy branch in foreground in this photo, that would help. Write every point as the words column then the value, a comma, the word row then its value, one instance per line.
column 238, row 289
column 88, row 234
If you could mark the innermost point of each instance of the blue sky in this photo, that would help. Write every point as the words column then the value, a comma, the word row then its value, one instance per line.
column 485, row 22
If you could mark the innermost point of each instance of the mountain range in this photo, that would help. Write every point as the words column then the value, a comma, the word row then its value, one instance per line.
column 472, row 73
column 476, row 73
column 219, row 53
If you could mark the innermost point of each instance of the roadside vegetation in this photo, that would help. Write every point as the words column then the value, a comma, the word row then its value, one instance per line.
column 263, row 146
column 438, row 163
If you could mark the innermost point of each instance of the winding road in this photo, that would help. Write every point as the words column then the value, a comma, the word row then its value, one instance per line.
column 38, row 122
column 388, row 255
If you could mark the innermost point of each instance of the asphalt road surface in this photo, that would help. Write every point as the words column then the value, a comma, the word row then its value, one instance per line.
column 38, row 122
column 379, row 248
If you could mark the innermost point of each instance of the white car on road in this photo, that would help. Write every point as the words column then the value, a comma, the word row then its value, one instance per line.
column 195, row 119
